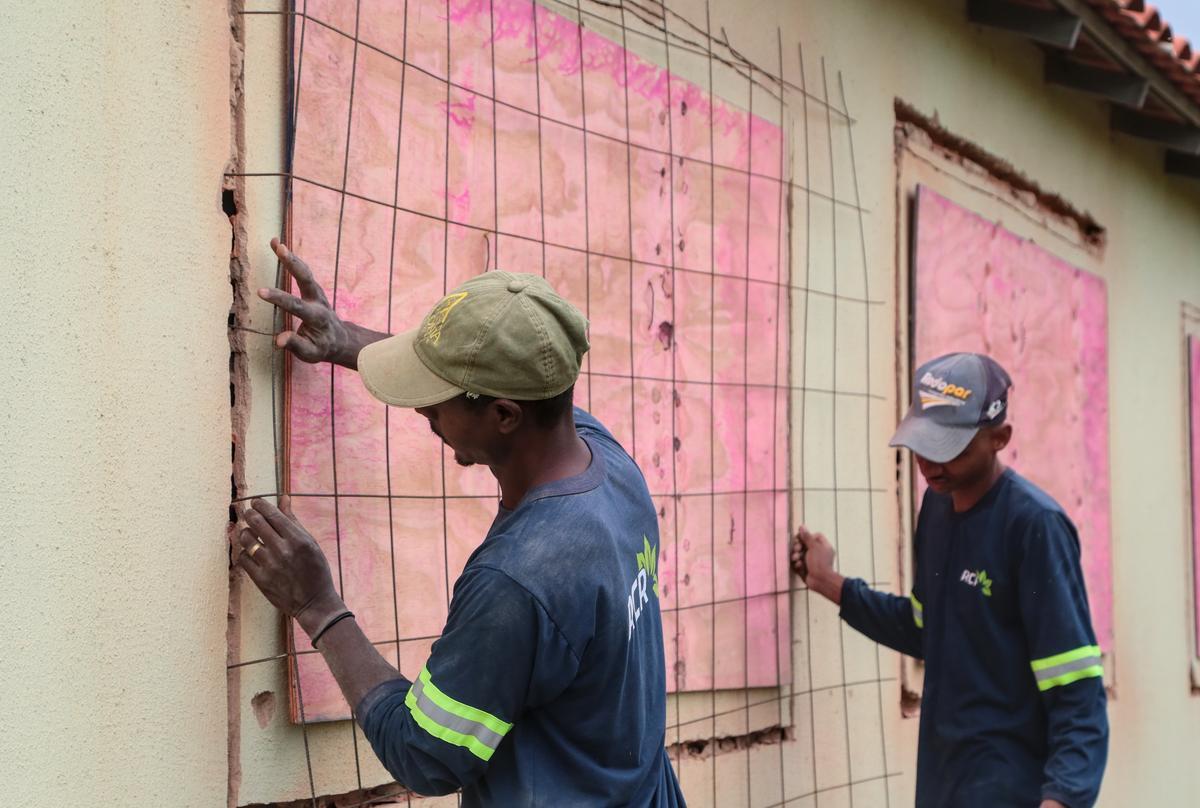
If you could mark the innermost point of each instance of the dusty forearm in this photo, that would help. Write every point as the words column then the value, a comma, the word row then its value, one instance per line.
column 828, row 585
column 355, row 338
column 355, row 662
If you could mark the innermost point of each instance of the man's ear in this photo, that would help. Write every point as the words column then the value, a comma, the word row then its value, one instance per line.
column 508, row 415
column 1000, row 436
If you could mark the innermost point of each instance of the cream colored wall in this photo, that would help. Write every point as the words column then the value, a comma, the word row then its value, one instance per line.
column 115, row 450
column 984, row 87
column 116, row 134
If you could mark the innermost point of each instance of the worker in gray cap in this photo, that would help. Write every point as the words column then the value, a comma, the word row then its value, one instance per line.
column 1013, row 710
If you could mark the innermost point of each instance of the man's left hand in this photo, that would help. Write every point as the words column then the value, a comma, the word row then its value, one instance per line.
column 287, row 565
column 1052, row 804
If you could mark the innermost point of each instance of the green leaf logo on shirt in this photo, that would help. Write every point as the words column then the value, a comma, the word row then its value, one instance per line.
column 648, row 560
column 978, row 579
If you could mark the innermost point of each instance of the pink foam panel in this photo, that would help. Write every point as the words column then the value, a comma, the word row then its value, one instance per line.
column 488, row 135
column 981, row 288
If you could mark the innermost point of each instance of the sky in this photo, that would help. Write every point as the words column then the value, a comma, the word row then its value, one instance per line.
column 1183, row 17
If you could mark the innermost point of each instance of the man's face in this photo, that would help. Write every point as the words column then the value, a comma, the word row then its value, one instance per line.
column 461, row 429
column 970, row 467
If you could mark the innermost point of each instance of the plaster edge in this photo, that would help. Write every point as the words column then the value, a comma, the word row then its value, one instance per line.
column 233, row 195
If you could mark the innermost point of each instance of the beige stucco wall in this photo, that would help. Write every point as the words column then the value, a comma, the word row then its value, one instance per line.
column 115, row 450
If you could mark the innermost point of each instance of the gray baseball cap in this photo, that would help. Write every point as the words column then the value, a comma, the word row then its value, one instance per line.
column 953, row 397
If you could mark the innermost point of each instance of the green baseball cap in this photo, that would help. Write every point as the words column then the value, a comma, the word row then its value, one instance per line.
column 501, row 334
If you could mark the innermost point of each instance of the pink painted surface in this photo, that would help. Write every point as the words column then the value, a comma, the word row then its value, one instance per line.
column 1193, row 349
column 981, row 288
column 604, row 194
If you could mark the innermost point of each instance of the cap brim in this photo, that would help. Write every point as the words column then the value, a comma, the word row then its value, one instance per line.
column 394, row 374
column 931, row 440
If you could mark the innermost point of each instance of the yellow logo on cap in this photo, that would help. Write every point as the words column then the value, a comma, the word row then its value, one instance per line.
column 930, row 400
column 940, row 393
column 432, row 332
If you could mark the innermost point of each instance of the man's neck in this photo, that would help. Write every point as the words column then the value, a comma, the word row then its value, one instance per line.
column 543, row 456
column 968, row 497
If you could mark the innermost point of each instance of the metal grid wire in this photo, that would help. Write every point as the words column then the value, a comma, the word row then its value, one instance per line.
column 677, row 35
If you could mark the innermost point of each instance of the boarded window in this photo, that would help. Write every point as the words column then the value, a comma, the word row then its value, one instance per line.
column 1192, row 322
column 979, row 287
column 650, row 204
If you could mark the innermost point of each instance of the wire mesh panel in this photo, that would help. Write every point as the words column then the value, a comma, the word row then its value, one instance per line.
column 703, row 210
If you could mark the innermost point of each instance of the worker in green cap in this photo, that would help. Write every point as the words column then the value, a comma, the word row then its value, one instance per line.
column 547, row 685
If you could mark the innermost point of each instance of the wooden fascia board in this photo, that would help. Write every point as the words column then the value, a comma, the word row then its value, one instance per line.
column 1177, row 136
column 1055, row 28
column 1120, row 88
column 1182, row 165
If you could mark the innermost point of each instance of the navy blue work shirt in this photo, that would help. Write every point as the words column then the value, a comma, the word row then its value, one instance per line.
column 1013, row 710
column 547, row 686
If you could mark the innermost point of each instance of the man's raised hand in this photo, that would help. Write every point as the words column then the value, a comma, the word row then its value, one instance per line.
column 812, row 559
column 321, row 335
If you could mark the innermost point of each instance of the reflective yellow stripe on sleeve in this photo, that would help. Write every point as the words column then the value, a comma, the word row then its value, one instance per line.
column 1067, row 667
column 917, row 610
column 452, row 721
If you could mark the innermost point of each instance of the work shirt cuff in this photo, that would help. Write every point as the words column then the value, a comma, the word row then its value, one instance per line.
column 849, row 601
column 1060, row 797
column 377, row 694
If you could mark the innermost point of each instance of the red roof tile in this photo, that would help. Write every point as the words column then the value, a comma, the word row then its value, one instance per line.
column 1143, row 27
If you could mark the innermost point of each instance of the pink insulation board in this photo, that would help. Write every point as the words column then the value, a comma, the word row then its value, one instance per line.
column 652, row 206
column 979, row 287
column 1193, row 353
